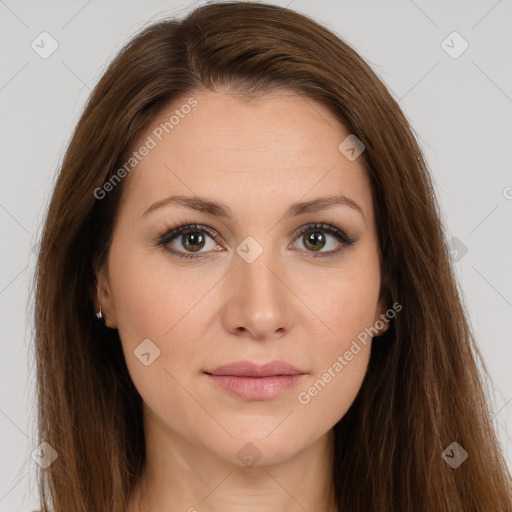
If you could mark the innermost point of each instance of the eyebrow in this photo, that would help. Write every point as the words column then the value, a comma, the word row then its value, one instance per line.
column 216, row 209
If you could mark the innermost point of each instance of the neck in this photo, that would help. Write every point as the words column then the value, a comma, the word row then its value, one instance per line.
column 179, row 476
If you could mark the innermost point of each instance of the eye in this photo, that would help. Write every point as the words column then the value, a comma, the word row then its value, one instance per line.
column 194, row 238
column 315, row 237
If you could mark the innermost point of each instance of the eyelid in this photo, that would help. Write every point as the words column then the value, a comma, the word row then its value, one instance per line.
column 167, row 234
column 323, row 226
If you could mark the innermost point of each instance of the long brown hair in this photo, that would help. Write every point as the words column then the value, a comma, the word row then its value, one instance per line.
column 423, row 390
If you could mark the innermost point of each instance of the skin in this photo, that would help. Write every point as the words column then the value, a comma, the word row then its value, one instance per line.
column 258, row 158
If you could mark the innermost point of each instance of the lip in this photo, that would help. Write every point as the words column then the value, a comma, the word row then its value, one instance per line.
column 250, row 369
column 256, row 382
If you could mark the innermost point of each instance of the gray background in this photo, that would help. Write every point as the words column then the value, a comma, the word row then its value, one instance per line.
column 460, row 109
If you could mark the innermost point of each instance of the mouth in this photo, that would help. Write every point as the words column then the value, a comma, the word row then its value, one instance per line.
column 256, row 382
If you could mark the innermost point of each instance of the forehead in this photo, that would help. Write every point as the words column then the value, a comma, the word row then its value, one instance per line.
column 266, row 152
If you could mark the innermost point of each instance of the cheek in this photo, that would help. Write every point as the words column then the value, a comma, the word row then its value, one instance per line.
column 154, row 301
column 329, row 394
column 344, row 312
column 151, row 297
column 342, row 350
column 153, row 304
column 344, row 304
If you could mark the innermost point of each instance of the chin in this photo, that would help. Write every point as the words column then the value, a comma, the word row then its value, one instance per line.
column 253, row 451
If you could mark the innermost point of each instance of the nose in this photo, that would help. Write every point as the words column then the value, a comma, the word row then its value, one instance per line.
column 258, row 298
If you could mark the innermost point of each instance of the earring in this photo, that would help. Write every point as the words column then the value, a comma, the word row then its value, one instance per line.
column 99, row 314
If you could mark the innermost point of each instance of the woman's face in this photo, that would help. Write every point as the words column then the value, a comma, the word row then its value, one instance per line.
column 243, row 284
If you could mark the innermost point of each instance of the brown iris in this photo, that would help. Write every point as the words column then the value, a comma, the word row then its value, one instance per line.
column 193, row 241
column 314, row 240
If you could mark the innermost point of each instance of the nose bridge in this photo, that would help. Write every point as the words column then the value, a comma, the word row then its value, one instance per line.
column 260, row 300
column 260, row 276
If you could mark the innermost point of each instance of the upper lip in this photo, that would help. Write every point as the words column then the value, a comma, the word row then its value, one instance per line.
column 249, row 369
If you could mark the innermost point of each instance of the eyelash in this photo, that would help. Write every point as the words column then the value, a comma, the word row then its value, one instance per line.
column 162, row 238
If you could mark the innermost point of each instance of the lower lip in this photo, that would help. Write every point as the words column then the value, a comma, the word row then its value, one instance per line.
column 257, row 388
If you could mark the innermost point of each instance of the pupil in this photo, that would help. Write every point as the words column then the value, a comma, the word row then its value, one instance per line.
column 195, row 239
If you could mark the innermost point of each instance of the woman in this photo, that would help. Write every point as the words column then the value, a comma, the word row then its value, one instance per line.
column 244, row 299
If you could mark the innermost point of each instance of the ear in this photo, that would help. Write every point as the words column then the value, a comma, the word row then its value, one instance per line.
column 383, row 307
column 103, row 297
column 380, row 316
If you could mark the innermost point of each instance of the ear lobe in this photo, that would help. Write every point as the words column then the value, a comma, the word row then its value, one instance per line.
column 385, row 328
column 103, row 297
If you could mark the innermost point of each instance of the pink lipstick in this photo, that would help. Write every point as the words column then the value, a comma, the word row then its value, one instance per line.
column 254, row 382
